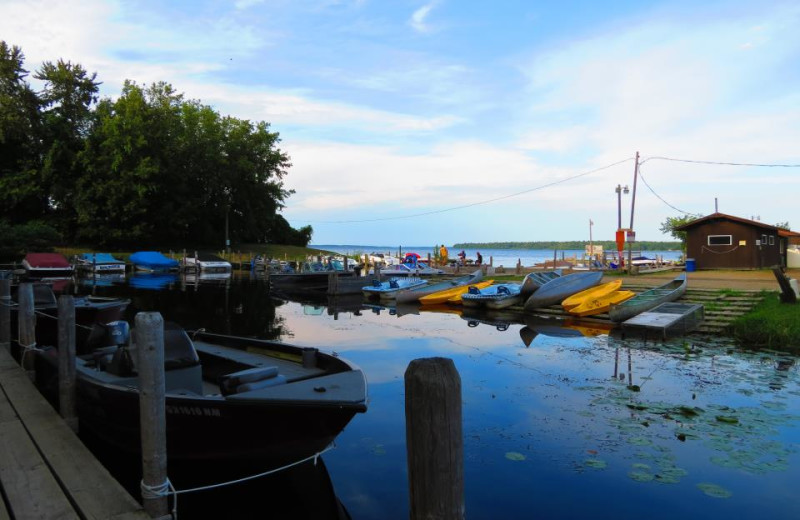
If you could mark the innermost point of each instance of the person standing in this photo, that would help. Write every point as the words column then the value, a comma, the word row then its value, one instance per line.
column 443, row 255
column 480, row 258
column 462, row 257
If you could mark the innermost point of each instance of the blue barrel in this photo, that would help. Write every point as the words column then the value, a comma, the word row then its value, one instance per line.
column 690, row 265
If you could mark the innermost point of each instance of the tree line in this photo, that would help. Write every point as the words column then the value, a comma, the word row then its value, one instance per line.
column 149, row 168
column 607, row 245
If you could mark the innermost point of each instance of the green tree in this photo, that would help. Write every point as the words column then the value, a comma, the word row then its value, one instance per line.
column 22, row 195
column 67, row 98
column 670, row 225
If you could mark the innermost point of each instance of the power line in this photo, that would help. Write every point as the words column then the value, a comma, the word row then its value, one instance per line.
column 695, row 161
column 660, row 197
column 473, row 204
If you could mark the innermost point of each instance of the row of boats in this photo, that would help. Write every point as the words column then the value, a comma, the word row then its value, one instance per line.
column 54, row 264
column 579, row 293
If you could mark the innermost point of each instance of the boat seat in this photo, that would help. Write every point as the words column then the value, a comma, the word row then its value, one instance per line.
column 376, row 283
column 502, row 289
column 250, row 379
column 473, row 290
column 393, row 284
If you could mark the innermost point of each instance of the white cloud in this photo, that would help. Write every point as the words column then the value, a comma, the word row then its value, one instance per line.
column 418, row 18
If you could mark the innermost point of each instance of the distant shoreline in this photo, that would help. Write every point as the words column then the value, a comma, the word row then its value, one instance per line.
column 570, row 245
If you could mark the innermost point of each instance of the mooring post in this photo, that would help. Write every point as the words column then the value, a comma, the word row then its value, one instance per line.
column 150, row 344
column 5, row 314
column 26, row 319
column 67, row 402
column 434, row 440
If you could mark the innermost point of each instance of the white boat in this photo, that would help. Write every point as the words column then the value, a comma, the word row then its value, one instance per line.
column 386, row 290
column 98, row 263
column 414, row 294
column 206, row 263
column 417, row 269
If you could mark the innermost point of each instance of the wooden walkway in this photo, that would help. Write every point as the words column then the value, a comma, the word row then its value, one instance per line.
column 45, row 470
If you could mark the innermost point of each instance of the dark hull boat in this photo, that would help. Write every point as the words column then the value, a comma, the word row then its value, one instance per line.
column 88, row 311
column 228, row 399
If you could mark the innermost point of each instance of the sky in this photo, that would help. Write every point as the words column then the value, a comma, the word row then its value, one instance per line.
column 429, row 122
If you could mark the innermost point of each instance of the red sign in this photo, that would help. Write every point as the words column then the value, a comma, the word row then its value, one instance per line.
column 620, row 240
column 631, row 235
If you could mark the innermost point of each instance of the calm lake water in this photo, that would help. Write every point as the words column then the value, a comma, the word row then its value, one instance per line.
column 558, row 422
column 504, row 257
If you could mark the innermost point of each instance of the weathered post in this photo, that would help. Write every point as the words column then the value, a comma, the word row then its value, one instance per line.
column 26, row 319
column 152, row 413
column 434, row 439
column 333, row 283
column 5, row 314
column 66, row 361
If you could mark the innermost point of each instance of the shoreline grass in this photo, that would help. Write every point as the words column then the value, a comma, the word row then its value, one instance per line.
column 771, row 324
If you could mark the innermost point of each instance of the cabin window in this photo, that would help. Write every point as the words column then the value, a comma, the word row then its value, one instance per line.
column 720, row 240
column 763, row 240
column 771, row 240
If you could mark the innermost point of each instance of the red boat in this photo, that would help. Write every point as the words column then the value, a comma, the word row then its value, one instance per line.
column 46, row 265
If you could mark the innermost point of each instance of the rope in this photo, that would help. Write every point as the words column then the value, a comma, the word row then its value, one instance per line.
column 25, row 349
column 41, row 313
column 704, row 248
column 166, row 487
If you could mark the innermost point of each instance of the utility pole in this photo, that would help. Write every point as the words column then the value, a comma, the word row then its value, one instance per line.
column 633, row 203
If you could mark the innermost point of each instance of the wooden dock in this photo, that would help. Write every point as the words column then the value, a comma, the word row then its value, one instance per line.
column 45, row 470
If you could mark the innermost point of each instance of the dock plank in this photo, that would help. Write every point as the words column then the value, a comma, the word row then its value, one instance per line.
column 93, row 490
column 28, row 485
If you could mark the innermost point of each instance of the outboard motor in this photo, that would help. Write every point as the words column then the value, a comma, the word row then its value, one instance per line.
column 121, row 362
column 108, row 343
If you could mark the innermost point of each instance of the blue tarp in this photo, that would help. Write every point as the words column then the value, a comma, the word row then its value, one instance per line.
column 100, row 258
column 152, row 260
column 152, row 281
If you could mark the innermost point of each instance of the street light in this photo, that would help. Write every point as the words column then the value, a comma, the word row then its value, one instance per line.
column 620, row 240
column 620, row 190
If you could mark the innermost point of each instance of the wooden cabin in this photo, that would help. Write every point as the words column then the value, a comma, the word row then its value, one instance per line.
column 720, row 241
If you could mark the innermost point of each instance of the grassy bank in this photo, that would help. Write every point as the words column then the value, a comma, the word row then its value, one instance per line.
column 771, row 324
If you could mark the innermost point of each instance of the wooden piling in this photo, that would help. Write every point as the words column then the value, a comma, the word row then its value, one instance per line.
column 67, row 401
column 434, row 440
column 150, row 345
column 5, row 314
column 26, row 319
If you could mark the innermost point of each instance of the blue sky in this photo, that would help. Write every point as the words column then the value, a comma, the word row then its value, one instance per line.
column 423, row 122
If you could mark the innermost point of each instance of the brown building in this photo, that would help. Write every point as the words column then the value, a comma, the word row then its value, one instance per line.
column 720, row 241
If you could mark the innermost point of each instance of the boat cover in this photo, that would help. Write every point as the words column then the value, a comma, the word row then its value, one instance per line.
column 100, row 258
column 152, row 281
column 47, row 260
column 152, row 259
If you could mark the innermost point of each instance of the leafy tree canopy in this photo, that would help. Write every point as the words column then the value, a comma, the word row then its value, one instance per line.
column 149, row 168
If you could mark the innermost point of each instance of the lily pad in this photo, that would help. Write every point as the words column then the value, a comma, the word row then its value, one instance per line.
column 641, row 476
column 714, row 490
column 595, row 463
column 515, row 456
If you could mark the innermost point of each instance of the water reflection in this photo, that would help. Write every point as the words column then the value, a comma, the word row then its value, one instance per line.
column 580, row 424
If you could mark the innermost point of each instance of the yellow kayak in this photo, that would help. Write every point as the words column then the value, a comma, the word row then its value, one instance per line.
column 449, row 295
column 601, row 304
column 593, row 292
